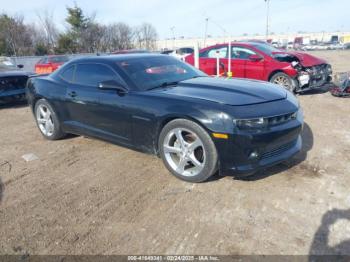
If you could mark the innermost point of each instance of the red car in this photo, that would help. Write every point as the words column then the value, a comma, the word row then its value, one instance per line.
column 296, row 71
column 48, row 64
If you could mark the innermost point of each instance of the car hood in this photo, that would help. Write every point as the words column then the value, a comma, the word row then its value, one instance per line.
column 235, row 92
column 6, row 73
column 305, row 59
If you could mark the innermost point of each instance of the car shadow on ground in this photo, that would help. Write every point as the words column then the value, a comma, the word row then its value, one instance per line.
column 13, row 104
column 214, row 177
column 318, row 91
column 320, row 244
column 307, row 144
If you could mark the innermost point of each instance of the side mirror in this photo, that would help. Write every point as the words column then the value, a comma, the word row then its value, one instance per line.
column 255, row 58
column 20, row 66
column 113, row 85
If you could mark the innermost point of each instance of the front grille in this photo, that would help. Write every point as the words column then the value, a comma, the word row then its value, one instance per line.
column 279, row 150
column 319, row 74
column 12, row 83
column 278, row 120
column 320, row 69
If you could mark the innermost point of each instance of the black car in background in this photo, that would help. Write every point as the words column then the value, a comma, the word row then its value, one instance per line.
column 12, row 81
column 158, row 104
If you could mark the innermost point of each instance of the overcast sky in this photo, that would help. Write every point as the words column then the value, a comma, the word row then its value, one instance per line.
column 188, row 16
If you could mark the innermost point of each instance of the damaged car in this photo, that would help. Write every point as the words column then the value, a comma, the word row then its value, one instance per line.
column 295, row 71
column 12, row 81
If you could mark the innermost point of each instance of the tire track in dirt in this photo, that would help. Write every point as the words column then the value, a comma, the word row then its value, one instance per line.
column 2, row 189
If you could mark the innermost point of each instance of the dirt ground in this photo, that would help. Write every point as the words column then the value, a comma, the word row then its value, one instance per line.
column 84, row 196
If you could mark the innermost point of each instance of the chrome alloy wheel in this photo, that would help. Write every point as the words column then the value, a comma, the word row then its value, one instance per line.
column 184, row 151
column 283, row 81
column 44, row 119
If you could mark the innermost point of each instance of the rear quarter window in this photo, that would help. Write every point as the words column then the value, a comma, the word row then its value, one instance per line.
column 68, row 74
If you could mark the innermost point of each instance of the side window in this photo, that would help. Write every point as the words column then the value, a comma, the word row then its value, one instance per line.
column 93, row 74
column 180, row 51
column 241, row 52
column 68, row 74
column 215, row 52
column 189, row 50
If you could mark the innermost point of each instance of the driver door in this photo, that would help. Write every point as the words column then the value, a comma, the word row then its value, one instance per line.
column 94, row 111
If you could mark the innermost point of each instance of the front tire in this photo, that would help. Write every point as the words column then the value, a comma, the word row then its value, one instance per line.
column 283, row 80
column 188, row 151
column 47, row 120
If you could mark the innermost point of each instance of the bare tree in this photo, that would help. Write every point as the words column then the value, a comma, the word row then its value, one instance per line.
column 15, row 34
column 83, row 34
column 118, row 36
column 46, row 19
column 146, row 36
column 92, row 38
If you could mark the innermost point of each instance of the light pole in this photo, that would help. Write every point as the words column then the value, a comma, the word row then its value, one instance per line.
column 206, row 30
column 267, row 18
column 172, row 30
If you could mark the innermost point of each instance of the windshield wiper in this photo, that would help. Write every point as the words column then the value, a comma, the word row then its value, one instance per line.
column 164, row 84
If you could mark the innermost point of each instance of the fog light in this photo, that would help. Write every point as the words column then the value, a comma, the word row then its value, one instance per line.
column 254, row 155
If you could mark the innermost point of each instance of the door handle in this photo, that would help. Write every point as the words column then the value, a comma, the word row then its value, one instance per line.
column 72, row 94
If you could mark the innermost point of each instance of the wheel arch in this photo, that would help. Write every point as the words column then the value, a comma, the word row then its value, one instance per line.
column 170, row 118
column 275, row 72
column 52, row 105
column 34, row 101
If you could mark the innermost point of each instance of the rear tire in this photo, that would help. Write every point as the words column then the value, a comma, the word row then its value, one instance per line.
column 283, row 80
column 187, row 151
column 47, row 120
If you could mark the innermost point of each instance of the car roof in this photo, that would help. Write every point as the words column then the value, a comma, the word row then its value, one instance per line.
column 241, row 43
column 130, row 51
column 114, row 58
column 247, row 42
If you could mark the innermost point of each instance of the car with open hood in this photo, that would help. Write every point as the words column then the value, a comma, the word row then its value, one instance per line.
column 12, row 80
column 296, row 71
column 197, row 124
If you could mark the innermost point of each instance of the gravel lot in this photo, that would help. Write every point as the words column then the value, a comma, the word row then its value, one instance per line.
column 84, row 196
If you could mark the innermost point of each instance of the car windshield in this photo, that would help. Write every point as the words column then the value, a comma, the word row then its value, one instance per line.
column 266, row 48
column 6, row 64
column 151, row 72
column 59, row 59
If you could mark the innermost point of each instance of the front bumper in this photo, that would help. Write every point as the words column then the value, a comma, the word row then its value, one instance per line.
column 272, row 146
column 277, row 156
column 314, row 77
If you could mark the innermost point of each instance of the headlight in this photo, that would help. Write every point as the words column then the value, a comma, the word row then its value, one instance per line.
column 251, row 123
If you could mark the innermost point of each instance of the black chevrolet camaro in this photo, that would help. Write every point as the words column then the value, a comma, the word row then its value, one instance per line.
column 197, row 124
